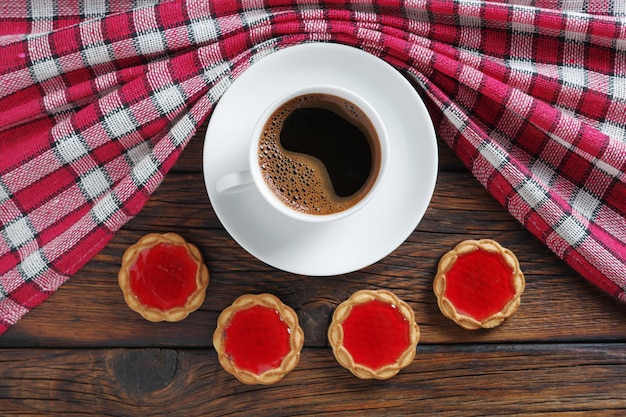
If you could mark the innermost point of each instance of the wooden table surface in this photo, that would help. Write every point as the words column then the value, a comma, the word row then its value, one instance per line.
column 84, row 352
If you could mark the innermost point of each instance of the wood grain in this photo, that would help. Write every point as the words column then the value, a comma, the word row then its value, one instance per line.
column 83, row 351
column 554, row 379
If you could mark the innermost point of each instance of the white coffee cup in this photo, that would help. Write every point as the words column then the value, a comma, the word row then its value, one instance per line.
column 253, row 177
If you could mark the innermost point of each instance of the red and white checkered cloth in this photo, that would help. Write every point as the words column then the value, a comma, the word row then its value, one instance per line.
column 98, row 99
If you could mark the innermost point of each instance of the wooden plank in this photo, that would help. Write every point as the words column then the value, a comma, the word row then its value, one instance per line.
column 89, row 310
column 554, row 380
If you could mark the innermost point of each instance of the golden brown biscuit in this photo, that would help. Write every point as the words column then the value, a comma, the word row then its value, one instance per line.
column 258, row 339
column 163, row 277
column 478, row 284
column 373, row 334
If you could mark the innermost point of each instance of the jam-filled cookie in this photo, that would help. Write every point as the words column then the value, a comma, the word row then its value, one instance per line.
column 373, row 334
column 258, row 339
column 479, row 284
column 163, row 277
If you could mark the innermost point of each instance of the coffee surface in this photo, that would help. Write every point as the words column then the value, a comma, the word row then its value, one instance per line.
column 319, row 154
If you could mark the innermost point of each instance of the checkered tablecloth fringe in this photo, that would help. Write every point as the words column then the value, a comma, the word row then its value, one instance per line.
column 98, row 99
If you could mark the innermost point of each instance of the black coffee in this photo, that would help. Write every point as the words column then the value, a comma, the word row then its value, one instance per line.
column 319, row 154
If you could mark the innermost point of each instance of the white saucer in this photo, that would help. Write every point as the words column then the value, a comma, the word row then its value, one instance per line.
column 351, row 243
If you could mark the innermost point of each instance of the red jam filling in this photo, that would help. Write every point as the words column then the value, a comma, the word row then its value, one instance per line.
column 479, row 284
column 376, row 334
column 163, row 276
column 257, row 339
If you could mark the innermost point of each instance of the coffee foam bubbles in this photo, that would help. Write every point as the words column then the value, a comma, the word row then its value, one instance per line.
column 299, row 180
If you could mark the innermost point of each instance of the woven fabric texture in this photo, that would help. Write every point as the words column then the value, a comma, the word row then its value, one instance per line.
column 98, row 99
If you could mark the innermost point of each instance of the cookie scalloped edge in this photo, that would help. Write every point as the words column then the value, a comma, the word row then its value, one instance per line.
column 296, row 339
column 153, row 314
column 343, row 356
column 445, row 264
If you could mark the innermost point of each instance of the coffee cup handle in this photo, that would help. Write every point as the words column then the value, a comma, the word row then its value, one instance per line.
column 234, row 183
